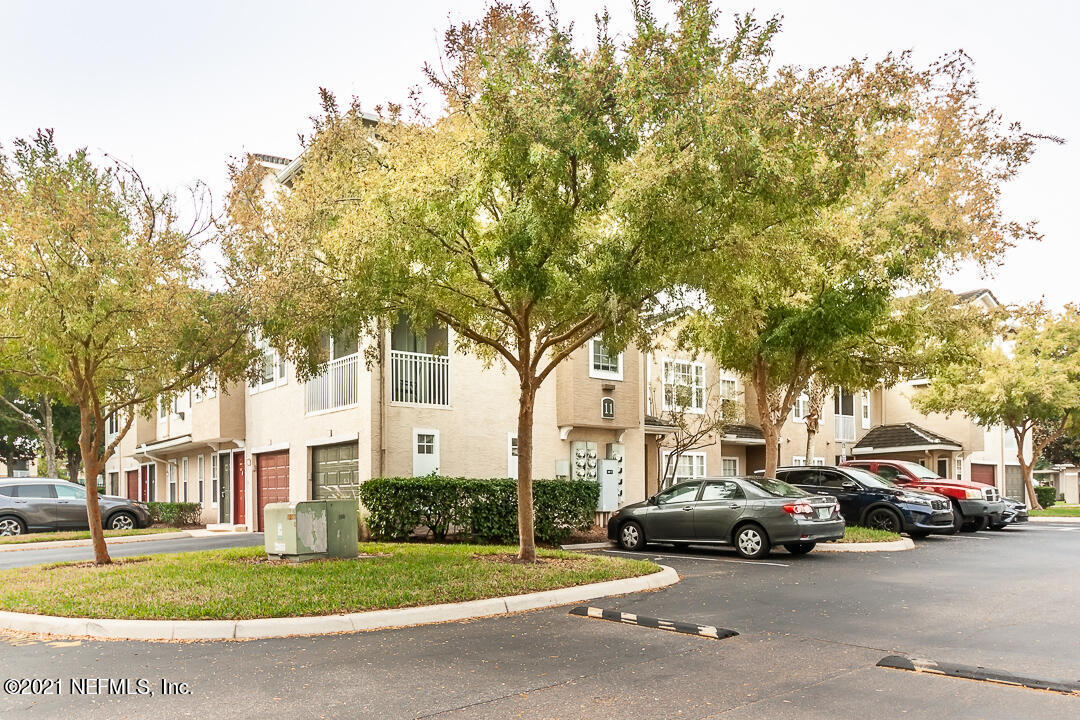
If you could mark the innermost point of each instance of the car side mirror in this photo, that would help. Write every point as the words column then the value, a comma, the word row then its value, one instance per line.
column 651, row 500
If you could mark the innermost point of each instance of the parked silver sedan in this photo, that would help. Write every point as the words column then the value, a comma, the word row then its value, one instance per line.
column 30, row 504
column 751, row 513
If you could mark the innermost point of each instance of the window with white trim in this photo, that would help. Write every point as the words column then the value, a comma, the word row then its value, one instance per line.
column 801, row 409
column 690, row 465
column 184, row 478
column 603, row 363
column 199, row 471
column 170, row 472
column 112, row 425
column 684, row 386
column 728, row 389
column 511, row 455
column 800, row 461
column 162, row 411
column 866, row 409
column 959, row 472
column 729, row 467
column 271, row 368
column 214, row 489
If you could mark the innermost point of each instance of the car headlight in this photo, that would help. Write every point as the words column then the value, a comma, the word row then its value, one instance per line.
column 973, row 494
column 913, row 500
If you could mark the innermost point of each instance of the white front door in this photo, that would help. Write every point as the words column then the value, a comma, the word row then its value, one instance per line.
column 425, row 449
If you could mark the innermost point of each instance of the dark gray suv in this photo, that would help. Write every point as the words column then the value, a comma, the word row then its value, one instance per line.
column 31, row 504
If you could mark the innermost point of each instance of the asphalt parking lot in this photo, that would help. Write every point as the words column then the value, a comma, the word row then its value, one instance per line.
column 811, row 631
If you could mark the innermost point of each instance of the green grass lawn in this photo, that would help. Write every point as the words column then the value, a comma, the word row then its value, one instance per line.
column 857, row 534
column 1057, row 511
column 241, row 583
column 78, row 535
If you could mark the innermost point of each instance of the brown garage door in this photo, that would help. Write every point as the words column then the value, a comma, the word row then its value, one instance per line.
column 983, row 473
column 272, row 479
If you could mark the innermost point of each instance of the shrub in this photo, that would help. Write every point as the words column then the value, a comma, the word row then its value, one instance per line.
column 176, row 514
column 483, row 508
column 1046, row 495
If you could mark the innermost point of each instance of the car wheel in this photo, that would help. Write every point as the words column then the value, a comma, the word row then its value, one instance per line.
column 122, row 521
column 958, row 518
column 883, row 519
column 631, row 536
column 751, row 542
column 974, row 525
column 800, row 548
column 11, row 526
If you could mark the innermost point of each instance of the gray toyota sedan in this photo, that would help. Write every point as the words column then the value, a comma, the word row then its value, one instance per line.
column 30, row 504
column 751, row 513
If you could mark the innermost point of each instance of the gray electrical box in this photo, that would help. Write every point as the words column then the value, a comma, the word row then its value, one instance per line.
column 611, row 484
column 311, row 529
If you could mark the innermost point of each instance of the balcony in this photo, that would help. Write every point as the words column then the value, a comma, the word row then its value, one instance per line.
column 419, row 378
column 335, row 387
column 845, row 428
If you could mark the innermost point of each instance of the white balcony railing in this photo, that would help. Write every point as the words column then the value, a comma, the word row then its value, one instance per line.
column 334, row 387
column 845, row 428
column 419, row 378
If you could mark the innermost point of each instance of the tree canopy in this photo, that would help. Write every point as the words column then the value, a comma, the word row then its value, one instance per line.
column 100, row 298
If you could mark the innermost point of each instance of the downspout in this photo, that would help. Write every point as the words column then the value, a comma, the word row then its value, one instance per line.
column 382, row 403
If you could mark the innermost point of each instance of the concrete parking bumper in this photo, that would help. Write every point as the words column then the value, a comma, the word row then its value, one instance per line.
column 113, row 629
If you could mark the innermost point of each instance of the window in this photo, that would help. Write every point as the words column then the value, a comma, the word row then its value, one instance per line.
column 170, row 471
column 511, row 455
column 959, row 474
column 67, row 492
column 36, row 490
column 684, row 386
column 866, row 409
column 728, row 389
column 214, row 490
column 607, row 408
column 112, row 425
column 425, row 451
column 801, row 409
column 689, row 466
column 435, row 340
column 798, row 461
column 603, row 363
column 270, row 366
column 199, row 463
column 844, row 402
column 721, row 491
column 184, row 478
column 682, row 494
column 729, row 467
column 163, row 411
column 114, row 483
column 889, row 473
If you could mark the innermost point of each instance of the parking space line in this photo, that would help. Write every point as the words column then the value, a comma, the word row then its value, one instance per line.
column 698, row 557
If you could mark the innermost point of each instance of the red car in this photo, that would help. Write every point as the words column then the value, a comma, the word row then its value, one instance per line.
column 975, row 505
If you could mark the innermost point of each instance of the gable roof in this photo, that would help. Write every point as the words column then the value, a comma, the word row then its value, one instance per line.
column 904, row 437
column 973, row 295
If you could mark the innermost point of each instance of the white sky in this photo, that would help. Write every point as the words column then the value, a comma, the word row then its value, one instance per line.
column 177, row 89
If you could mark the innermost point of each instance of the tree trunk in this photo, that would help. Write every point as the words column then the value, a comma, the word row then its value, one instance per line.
column 811, row 434
column 93, row 463
column 526, row 524
column 769, row 430
column 72, row 460
column 48, row 439
column 772, row 447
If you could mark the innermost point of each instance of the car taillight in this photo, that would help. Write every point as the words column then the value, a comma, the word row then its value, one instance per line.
column 799, row 508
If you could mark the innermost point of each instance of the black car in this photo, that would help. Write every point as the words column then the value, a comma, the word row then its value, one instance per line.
column 31, row 504
column 869, row 500
column 1015, row 512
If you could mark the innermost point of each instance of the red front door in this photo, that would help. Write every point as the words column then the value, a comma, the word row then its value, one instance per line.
column 238, row 487
column 133, row 484
column 271, row 483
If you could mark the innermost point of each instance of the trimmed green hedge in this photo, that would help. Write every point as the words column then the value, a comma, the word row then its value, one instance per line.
column 176, row 514
column 481, row 508
column 1046, row 494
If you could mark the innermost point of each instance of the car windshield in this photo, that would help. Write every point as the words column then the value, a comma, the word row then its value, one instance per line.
column 779, row 488
column 868, row 478
column 920, row 472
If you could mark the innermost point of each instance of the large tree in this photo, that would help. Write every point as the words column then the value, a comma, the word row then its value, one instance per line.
column 1027, row 379
column 557, row 197
column 844, row 291
column 100, row 304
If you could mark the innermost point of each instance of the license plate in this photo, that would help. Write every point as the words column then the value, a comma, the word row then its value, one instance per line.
column 823, row 513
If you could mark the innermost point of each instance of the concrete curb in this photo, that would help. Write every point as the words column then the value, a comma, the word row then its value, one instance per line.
column 892, row 546
column 589, row 546
column 122, row 540
column 1050, row 519
column 262, row 628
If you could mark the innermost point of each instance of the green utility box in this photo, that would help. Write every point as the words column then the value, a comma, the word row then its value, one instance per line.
column 311, row 529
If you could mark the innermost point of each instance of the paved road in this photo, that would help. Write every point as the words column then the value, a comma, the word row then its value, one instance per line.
column 19, row 558
column 811, row 631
